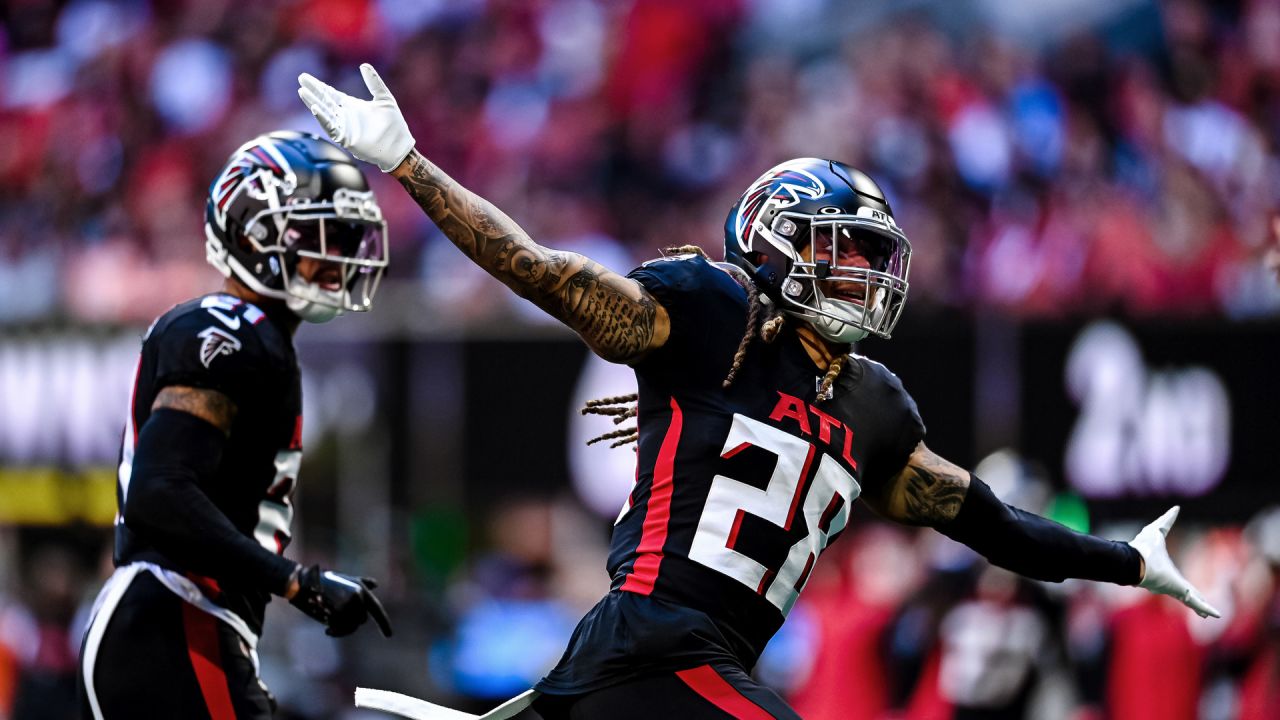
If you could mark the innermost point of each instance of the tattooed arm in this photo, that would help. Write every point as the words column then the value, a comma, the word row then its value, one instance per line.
column 927, row 491
column 616, row 316
column 211, row 406
column 931, row 491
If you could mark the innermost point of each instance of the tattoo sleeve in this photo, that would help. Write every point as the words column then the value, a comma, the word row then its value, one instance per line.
column 209, row 405
column 931, row 491
column 616, row 317
column 928, row 491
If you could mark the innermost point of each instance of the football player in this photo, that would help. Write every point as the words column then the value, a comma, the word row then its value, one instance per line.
column 757, row 427
column 212, row 445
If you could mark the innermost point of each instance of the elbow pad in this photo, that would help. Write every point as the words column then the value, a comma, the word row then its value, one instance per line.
column 1036, row 547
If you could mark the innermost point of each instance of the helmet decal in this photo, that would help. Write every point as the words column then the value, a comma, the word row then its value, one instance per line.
column 853, row 280
column 780, row 187
column 260, row 170
column 286, row 200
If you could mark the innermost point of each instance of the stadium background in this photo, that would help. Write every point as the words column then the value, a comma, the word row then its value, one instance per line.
column 1086, row 184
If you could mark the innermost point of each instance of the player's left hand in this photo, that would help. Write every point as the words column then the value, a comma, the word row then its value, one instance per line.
column 1161, row 574
column 341, row 602
column 373, row 130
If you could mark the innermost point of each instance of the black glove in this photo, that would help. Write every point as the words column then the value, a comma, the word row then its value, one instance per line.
column 341, row 602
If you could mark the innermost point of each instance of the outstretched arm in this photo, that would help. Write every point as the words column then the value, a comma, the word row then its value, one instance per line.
column 934, row 492
column 616, row 316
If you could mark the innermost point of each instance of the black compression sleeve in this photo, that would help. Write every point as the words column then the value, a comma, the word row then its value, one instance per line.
column 1035, row 547
column 165, row 505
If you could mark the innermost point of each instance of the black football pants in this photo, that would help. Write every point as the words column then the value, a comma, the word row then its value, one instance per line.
column 161, row 657
column 706, row 692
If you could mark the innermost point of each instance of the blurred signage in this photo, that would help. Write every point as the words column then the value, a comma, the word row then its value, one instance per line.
column 63, row 397
column 1142, row 415
column 1142, row 430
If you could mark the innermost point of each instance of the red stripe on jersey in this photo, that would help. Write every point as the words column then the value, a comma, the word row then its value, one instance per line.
column 705, row 681
column 829, row 514
column 133, row 402
column 733, row 532
column 736, row 450
column 804, row 574
column 206, row 661
column 207, row 585
column 765, row 581
column 653, row 535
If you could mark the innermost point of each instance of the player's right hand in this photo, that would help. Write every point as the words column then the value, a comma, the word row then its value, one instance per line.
column 372, row 130
column 341, row 602
column 1161, row 575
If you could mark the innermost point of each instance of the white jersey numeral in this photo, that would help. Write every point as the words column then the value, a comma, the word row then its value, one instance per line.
column 819, row 512
column 216, row 305
column 275, row 513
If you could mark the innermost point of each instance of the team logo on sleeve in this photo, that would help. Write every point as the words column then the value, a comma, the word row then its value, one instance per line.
column 216, row 342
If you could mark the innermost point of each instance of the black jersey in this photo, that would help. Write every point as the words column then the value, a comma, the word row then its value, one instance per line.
column 738, row 491
column 222, row 343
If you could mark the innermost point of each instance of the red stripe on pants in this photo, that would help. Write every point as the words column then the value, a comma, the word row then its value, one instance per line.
column 206, row 661
column 705, row 681
column 644, row 571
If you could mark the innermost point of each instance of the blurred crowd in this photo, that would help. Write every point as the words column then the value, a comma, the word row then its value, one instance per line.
column 1127, row 163
column 1124, row 157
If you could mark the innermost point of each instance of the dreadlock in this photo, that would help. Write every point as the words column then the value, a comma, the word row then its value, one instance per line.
column 620, row 408
column 687, row 250
column 828, row 380
column 768, row 331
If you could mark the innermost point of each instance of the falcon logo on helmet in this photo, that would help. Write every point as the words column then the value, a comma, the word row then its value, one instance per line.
column 260, row 170
column 818, row 239
column 286, row 198
column 778, row 189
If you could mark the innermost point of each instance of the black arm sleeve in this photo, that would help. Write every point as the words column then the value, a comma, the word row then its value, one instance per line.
column 1041, row 549
column 166, row 505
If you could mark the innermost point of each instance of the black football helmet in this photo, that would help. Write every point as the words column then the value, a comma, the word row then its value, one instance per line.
column 809, row 220
column 285, row 196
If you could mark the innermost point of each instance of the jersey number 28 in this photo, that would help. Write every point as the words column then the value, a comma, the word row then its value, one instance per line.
column 771, row 510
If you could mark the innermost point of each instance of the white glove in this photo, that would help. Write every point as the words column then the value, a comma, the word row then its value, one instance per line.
column 1161, row 575
column 372, row 130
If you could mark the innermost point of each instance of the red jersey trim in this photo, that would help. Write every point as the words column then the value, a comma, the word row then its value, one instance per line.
column 653, row 535
column 133, row 403
column 705, row 681
column 206, row 661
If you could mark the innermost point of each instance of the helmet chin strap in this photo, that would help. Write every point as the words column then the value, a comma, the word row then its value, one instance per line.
column 311, row 303
column 845, row 331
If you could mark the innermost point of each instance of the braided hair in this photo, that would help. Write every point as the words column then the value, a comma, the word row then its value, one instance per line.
column 620, row 408
column 768, row 329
